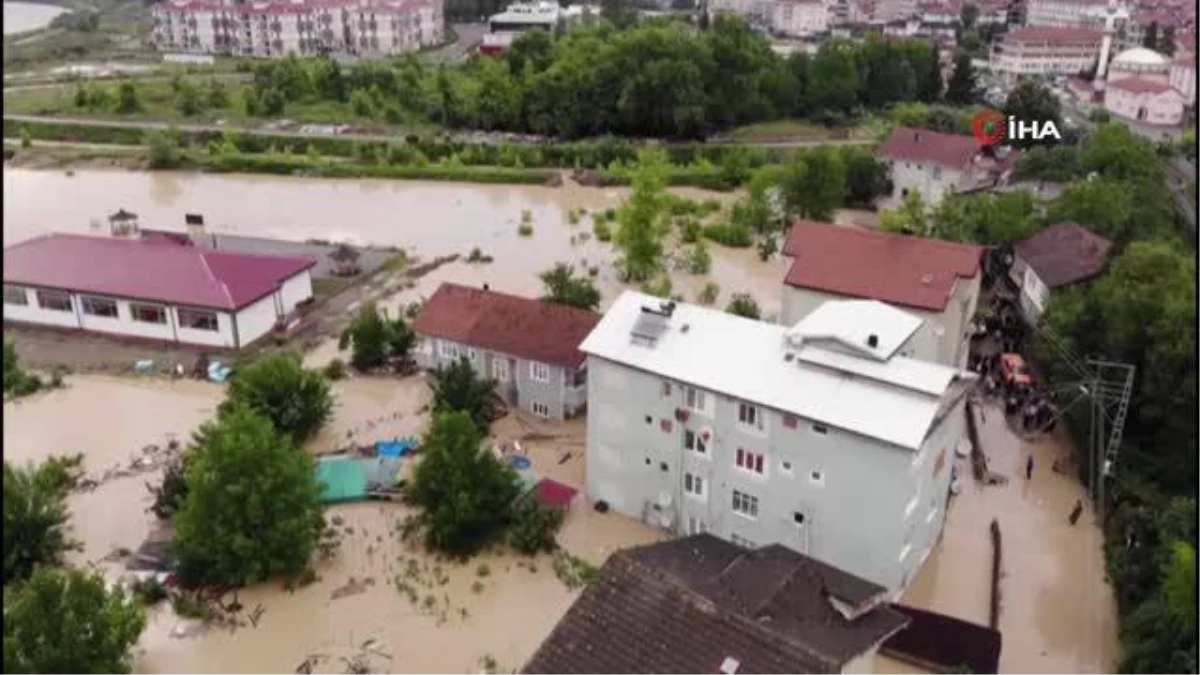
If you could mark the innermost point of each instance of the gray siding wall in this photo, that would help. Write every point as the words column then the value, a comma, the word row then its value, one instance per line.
column 519, row 387
column 853, row 515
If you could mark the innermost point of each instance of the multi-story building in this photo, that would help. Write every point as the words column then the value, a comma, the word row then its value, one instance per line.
column 936, row 281
column 1034, row 51
column 274, row 28
column 529, row 347
column 938, row 165
column 1182, row 76
column 1065, row 13
column 799, row 18
column 701, row 421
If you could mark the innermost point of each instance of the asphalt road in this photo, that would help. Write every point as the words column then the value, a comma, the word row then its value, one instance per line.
column 469, row 36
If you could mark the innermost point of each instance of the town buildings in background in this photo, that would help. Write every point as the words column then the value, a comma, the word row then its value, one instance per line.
column 278, row 28
column 520, row 17
column 938, row 165
column 702, row 421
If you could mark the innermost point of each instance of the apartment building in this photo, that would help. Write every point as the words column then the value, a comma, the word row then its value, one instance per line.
column 1065, row 13
column 701, row 421
column 799, row 18
column 935, row 281
column 1043, row 51
column 1182, row 77
column 938, row 165
column 277, row 28
column 529, row 347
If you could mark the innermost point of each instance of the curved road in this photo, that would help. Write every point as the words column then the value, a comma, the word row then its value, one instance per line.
column 200, row 128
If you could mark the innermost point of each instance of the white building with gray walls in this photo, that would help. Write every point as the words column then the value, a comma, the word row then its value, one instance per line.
column 936, row 281
column 819, row 437
column 530, row 347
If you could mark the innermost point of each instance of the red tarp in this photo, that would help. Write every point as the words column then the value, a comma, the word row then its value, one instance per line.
column 555, row 495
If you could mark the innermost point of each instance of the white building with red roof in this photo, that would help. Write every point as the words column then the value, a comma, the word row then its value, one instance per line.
column 276, row 28
column 1044, row 51
column 153, row 289
column 1138, row 88
column 937, row 165
column 1182, row 76
column 936, row 281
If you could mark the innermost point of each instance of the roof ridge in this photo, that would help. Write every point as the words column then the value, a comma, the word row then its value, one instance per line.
column 217, row 280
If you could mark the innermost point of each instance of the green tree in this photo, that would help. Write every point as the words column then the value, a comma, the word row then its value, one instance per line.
column 814, row 186
column 911, row 218
column 36, row 527
column 866, row 178
column 987, row 219
column 457, row 388
column 127, row 99
column 294, row 399
column 163, row 149
column 562, row 286
column 1031, row 101
column 218, row 96
column 376, row 338
column 1160, row 635
column 641, row 225
column 252, row 509
column 741, row 304
column 533, row 526
column 68, row 621
column 188, row 98
column 962, row 88
column 465, row 491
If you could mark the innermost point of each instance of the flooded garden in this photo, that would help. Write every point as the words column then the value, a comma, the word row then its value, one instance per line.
column 383, row 604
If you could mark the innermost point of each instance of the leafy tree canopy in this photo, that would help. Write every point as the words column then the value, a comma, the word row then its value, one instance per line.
column 36, row 516
column 562, row 286
column 294, row 399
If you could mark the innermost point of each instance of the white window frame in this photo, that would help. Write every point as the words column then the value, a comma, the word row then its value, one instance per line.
column 447, row 349
column 695, row 525
column 697, row 400
column 743, row 459
column 543, row 412
column 539, row 372
column 694, row 486
column 17, row 296
column 500, row 369
column 698, row 446
column 46, row 294
column 197, row 313
column 472, row 353
column 757, row 423
column 136, row 307
column 750, row 502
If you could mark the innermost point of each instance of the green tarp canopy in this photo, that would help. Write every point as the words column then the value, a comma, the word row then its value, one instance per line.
column 343, row 479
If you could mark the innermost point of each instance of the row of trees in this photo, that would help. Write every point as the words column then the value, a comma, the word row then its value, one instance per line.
column 1143, row 312
column 659, row 78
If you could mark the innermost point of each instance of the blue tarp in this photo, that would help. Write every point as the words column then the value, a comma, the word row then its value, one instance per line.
column 396, row 448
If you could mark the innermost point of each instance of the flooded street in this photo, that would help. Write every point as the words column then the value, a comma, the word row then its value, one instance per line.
column 1057, row 612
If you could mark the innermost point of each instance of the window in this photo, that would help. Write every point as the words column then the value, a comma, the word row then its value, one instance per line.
column 577, row 378
column 750, row 416
column 666, row 426
column 472, row 353
column 500, row 369
column 666, row 389
column 816, row 478
column 540, row 409
column 695, row 525
column 147, row 313
column 820, row 429
column 745, row 504
column 696, row 399
column 786, row 467
column 15, row 295
column 692, row 441
column 448, row 349
column 56, row 301
column 790, row 421
column 539, row 371
column 742, row 541
column 798, row 518
column 197, row 320
column 750, row 461
column 693, row 485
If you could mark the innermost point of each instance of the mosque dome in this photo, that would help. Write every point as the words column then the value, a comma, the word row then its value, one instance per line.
column 1140, row 60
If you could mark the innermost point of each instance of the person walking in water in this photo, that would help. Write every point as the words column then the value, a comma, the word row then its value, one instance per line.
column 1029, row 468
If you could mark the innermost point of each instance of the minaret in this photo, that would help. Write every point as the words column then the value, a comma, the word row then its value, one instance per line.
column 1113, row 13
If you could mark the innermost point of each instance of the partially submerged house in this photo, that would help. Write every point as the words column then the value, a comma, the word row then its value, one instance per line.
column 937, row 281
column 1057, row 257
column 530, row 347
column 938, row 165
column 344, row 261
column 820, row 437
column 703, row 605
column 152, row 289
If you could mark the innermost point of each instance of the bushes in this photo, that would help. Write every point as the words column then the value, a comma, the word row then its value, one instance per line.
column 533, row 527
column 729, row 234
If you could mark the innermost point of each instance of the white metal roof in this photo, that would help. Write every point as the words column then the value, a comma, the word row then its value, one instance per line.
column 895, row 401
column 851, row 323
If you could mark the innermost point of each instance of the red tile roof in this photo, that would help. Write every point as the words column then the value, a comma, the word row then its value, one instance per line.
column 148, row 270
column 523, row 327
column 892, row 268
column 1054, row 34
column 1138, row 85
column 1064, row 254
column 923, row 145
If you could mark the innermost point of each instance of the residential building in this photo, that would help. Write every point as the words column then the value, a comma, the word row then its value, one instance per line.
column 530, row 347
column 276, row 28
column 153, row 289
column 1064, row 13
column 1138, row 87
column 938, row 165
column 891, row 10
column 703, row 605
column 757, row 12
column 799, row 18
column 519, row 18
column 1182, row 77
column 1044, row 51
column 936, row 281
column 1057, row 257
column 702, row 421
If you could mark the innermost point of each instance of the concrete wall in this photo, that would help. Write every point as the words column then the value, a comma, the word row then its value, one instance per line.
column 637, row 460
column 295, row 290
column 222, row 337
column 519, row 388
column 256, row 320
column 933, row 181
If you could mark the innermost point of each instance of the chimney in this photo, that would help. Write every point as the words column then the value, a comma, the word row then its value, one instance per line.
column 486, row 287
column 872, row 341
